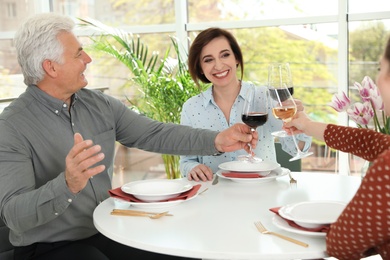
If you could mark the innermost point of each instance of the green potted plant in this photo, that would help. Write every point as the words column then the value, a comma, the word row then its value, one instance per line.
column 164, row 83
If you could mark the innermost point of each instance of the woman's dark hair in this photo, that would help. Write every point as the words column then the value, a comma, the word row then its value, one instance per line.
column 386, row 54
column 202, row 39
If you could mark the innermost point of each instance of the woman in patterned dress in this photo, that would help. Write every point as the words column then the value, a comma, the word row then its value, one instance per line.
column 363, row 228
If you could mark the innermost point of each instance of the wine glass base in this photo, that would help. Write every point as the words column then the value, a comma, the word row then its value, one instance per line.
column 300, row 155
column 280, row 133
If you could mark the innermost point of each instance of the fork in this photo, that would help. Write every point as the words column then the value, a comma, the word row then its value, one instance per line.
column 263, row 230
column 293, row 182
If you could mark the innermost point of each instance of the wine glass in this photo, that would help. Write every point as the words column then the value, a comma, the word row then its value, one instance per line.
column 279, row 74
column 254, row 115
column 283, row 104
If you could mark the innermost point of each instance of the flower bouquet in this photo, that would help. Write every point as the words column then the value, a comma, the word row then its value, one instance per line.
column 369, row 112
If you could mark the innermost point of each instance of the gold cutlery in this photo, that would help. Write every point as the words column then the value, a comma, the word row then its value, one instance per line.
column 203, row 191
column 128, row 212
column 293, row 182
column 263, row 230
column 159, row 215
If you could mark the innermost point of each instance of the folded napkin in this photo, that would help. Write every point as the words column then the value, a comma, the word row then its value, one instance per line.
column 119, row 194
column 241, row 175
column 324, row 228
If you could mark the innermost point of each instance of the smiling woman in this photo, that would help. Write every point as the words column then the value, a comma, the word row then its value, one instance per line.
column 215, row 58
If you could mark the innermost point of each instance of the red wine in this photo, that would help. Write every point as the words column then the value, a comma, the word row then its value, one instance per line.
column 254, row 119
column 282, row 93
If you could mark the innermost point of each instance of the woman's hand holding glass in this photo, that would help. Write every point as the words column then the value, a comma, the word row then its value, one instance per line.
column 283, row 104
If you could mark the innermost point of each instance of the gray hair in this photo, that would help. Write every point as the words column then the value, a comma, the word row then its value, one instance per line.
column 36, row 41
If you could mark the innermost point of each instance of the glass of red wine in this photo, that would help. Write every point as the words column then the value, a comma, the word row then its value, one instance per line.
column 283, row 104
column 254, row 114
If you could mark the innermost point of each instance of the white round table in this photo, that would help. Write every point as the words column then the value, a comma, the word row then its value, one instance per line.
column 219, row 224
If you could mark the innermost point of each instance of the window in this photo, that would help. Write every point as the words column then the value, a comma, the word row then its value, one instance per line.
column 11, row 10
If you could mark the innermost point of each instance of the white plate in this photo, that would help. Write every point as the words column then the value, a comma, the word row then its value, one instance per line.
column 151, row 205
column 312, row 214
column 270, row 177
column 282, row 224
column 155, row 189
column 244, row 166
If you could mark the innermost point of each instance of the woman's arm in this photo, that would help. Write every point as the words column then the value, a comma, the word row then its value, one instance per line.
column 363, row 227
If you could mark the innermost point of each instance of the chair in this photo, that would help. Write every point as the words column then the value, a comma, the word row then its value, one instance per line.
column 6, row 249
column 283, row 159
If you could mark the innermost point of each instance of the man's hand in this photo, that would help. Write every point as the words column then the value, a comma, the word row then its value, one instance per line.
column 235, row 138
column 78, row 162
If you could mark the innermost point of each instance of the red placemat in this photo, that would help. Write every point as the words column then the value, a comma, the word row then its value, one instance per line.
column 119, row 194
column 324, row 228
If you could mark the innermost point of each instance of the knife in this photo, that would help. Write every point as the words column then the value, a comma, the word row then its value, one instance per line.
column 215, row 181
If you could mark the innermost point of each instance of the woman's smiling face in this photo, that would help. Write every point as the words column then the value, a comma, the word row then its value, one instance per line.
column 218, row 62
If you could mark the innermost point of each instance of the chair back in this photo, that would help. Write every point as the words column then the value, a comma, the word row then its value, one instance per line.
column 283, row 159
column 6, row 249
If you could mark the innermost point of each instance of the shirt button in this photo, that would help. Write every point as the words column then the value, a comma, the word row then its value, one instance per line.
column 69, row 200
column 91, row 177
column 72, row 124
column 56, row 111
column 64, row 105
column 56, row 213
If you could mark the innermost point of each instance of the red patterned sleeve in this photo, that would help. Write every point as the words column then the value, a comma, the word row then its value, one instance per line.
column 363, row 228
column 361, row 142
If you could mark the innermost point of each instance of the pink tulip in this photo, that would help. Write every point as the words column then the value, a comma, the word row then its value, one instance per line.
column 364, row 91
column 376, row 99
column 370, row 93
column 361, row 113
column 368, row 83
column 340, row 102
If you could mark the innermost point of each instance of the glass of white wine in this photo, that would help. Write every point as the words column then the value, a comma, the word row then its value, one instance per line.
column 279, row 74
column 283, row 104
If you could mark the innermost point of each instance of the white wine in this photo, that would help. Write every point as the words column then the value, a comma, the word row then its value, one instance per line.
column 284, row 112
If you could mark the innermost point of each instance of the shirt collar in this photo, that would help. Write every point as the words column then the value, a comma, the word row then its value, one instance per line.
column 208, row 94
column 208, row 97
column 53, row 104
column 244, row 89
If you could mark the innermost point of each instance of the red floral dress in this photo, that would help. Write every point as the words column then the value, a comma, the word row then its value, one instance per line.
column 363, row 228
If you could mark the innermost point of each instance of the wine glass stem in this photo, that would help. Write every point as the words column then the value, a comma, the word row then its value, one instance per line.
column 250, row 146
column 296, row 144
